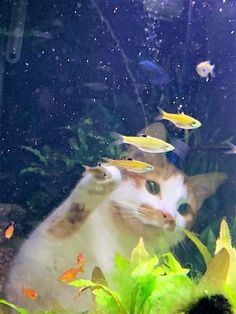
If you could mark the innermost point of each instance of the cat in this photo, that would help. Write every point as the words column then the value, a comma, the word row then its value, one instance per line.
column 102, row 216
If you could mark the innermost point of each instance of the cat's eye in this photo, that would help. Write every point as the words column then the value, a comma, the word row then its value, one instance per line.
column 184, row 209
column 152, row 187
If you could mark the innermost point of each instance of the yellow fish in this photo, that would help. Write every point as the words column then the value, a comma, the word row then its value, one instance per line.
column 204, row 69
column 131, row 164
column 147, row 143
column 180, row 120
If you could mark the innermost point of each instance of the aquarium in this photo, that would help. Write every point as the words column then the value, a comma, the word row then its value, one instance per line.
column 118, row 155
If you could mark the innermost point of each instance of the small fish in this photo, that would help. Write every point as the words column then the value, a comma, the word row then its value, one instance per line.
column 30, row 293
column 156, row 74
column 232, row 149
column 130, row 165
column 80, row 259
column 180, row 120
column 9, row 230
column 70, row 274
column 204, row 69
column 147, row 143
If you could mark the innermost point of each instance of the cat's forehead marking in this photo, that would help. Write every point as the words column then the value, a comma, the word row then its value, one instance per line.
column 62, row 227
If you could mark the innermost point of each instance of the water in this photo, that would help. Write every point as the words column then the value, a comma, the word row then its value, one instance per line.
column 73, row 73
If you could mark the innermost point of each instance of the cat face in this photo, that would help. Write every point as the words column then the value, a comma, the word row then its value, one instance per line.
column 154, row 199
column 165, row 200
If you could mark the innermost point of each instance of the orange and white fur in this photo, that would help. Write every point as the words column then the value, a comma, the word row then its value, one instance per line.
column 102, row 216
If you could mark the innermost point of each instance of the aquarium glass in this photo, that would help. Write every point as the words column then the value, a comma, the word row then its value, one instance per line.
column 136, row 100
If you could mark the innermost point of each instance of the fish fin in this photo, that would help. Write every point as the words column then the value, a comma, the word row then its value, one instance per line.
column 207, row 78
column 119, row 138
column 232, row 150
column 180, row 111
column 160, row 115
column 212, row 71
column 231, row 145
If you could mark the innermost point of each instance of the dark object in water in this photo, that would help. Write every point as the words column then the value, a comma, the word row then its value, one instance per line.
column 179, row 153
column 215, row 304
column 156, row 74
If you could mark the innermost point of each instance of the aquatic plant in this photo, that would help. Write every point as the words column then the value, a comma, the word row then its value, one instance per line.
column 159, row 284
column 141, row 284
column 22, row 310
column 18, row 309
column 83, row 144
column 220, row 272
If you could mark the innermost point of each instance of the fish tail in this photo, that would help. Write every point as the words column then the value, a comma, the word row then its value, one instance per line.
column 231, row 146
column 212, row 72
column 161, row 114
column 119, row 138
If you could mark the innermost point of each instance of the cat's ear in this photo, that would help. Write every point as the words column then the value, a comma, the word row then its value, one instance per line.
column 158, row 130
column 204, row 185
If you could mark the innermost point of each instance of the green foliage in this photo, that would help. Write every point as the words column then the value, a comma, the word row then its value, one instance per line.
column 16, row 308
column 82, row 145
column 143, row 284
column 201, row 247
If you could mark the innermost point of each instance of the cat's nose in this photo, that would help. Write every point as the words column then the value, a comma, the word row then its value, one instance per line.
column 169, row 221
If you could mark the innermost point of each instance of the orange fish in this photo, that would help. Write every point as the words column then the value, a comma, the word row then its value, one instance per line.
column 30, row 293
column 9, row 230
column 70, row 274
column 80, row 259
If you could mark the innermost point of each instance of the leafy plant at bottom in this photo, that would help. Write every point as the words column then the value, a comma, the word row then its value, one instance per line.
column 141, row 284
column 220, row 274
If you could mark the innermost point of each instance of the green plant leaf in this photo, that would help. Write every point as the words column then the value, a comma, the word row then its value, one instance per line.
column 98, row 276
column 202, row 248
column 121, row 262
column 170, row 264
column 87, row 284
column 139, row 254
column 20, row 310
column 105, row 302
column 31, row 169
column 36, row 153
column 145, row 268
